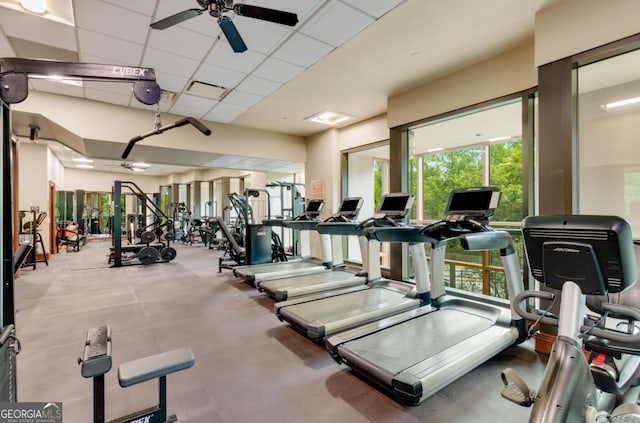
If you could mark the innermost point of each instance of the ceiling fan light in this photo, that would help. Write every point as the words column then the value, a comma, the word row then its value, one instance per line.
column 35, row 6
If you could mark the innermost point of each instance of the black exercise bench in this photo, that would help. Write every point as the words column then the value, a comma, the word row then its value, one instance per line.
column 96, row 362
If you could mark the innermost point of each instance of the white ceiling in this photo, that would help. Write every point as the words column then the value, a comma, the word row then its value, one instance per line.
column 344, row 55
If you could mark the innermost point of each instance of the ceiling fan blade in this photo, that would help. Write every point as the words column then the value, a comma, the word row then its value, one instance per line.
column 176, row 19
column 233, row 36
column 271, row 15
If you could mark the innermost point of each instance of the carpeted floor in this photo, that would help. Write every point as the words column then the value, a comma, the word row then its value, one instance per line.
column 250, row 367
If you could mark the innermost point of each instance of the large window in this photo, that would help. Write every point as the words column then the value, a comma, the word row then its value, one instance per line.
column 608, row 149
column 475, row 148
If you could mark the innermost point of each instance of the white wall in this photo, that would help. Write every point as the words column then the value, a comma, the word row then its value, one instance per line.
column 497, row 76
column 573, row 26
column 34, row 183
column 103, row 181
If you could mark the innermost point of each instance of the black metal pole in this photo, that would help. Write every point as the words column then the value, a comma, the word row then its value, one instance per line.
column 98, row 399
column 7, row 300
column 117, row 224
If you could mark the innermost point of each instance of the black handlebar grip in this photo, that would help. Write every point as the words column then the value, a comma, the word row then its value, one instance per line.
column 202, row 128
column 132, row 142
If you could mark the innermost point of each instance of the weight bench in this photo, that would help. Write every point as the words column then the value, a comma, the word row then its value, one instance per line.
column 97, row 361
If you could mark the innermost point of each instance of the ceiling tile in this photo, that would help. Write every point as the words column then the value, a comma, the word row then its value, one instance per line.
column 225, row 112
column 254, row 85
column 278, row 70
column 33, row 28
column 100, row 17
column 144, row 7
column 90, row 58
column 261, row 36
column 242, row 99
column 222, row 55
column 171, row 82
column 336, row 23
column 374, row 8
column 195, row 102
column 176, row 65
column 216, row 75
column 302, row 50
column 181, row 41
column 101, row 45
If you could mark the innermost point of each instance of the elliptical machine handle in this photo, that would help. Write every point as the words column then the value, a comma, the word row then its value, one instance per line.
column 543, row 295
column 622, row 312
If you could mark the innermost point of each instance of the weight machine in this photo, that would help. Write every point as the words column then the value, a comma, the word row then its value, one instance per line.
column 14, row 88
column 147, row 251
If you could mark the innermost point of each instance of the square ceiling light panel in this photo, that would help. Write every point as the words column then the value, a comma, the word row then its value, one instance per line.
column 60, row 11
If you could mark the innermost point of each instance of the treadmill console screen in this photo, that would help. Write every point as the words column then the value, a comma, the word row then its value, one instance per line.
column 314, row 207
column 396, row 204
column 595, row 252
column 350, row 207
column 477, row 202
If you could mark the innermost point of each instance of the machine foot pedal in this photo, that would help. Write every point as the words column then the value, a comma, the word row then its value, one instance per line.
column 626, row 413
column 515, row 389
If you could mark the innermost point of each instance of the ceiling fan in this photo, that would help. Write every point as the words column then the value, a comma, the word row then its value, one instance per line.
column 217, row 8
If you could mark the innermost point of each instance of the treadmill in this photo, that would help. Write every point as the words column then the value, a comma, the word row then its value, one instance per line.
column 342, row 223
column 319, row 318
column 415, row 354
column 306, row 264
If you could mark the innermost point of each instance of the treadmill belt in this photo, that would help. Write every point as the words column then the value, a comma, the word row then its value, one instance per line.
column 275, row 267
column 402, row 346
column 340, row 307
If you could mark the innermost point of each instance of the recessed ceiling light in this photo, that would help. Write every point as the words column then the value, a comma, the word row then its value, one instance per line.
column 137, row 169
column 329, row 118
column 82, row 160
column 621, row 103
column 84, row 166
column 433, row 150
column 141, row 165
column 35, row 6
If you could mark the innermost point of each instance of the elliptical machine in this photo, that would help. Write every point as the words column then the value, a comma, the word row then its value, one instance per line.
column 586, row 258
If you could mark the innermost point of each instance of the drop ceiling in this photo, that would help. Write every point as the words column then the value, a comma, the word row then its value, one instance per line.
column 347, row 56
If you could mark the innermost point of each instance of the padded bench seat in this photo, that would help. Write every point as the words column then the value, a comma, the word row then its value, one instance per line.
column 155, row 366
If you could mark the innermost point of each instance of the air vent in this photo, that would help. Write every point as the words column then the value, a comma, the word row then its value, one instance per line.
column 202, row 89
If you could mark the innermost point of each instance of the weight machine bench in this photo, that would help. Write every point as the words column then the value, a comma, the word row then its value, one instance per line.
column 96, row 362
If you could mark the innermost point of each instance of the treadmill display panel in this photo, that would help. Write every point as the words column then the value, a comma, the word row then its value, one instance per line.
column 477, row 202
column 396, row 204
column 314, row 207
column 595, row 252
column 350, row 207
